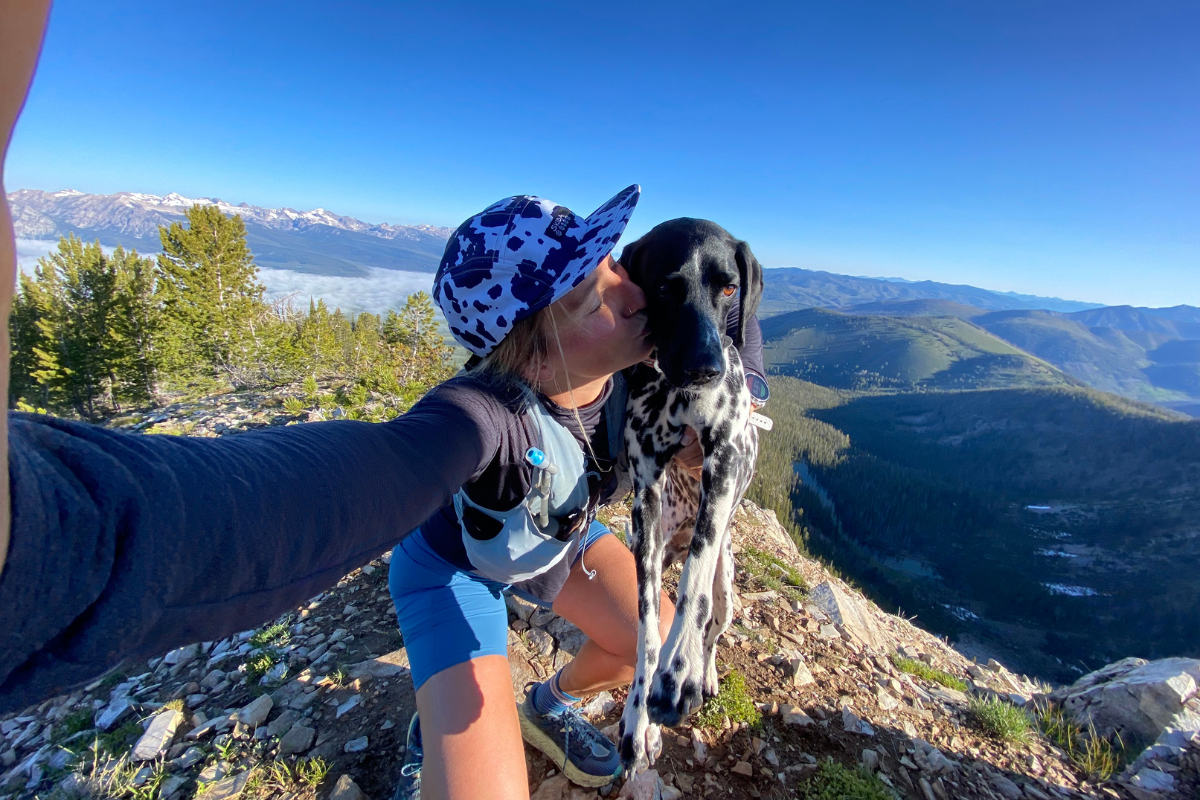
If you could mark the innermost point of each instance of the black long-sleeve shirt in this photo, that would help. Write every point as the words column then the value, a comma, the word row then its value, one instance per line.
column 125, row 546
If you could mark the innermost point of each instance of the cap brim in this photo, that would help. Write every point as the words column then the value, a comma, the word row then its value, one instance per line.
column 602, row 230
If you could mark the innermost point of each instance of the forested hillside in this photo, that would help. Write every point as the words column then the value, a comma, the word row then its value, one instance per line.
column 1057, row 526
column 1150, row 354
column 862, row 352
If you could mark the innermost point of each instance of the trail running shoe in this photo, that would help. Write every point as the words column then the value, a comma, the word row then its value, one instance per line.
column 574, row 745
column 410, row 774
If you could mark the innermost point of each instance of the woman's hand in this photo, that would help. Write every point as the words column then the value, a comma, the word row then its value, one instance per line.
column 691, row 457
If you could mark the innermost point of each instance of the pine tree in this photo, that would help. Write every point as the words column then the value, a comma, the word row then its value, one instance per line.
column 343, row 342
column 425, row 354
column 139, row 323
column 78, row 347
column 28, row 336
column 316, row 340
column 365, row 345
column 211, row 292
column 414, row 358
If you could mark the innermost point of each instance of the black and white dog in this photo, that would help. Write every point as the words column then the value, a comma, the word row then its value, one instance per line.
column 690, row 270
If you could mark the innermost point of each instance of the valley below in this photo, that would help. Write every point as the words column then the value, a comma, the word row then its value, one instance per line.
column 1056, row 529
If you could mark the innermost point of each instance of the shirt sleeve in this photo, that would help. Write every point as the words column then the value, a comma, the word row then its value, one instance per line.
column 125, row 546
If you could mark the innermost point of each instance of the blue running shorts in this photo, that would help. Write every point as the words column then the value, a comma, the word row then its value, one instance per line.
column 448, row 615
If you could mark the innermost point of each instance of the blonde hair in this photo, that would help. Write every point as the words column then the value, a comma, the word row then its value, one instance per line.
column 527, row 344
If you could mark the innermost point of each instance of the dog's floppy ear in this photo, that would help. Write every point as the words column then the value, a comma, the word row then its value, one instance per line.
column 750, row 274
column 631, row 259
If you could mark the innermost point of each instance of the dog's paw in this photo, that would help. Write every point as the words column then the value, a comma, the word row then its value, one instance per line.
column 677, row 691
column 639, row 742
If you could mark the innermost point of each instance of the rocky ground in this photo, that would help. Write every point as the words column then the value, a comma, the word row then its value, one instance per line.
column 316, row 703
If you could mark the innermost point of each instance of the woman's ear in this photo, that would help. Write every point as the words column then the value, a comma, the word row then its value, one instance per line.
column 540, row 373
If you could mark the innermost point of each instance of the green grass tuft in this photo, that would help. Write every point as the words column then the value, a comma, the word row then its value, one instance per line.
column 339, row 676
column 1000, row 720
column 773, row 572
column 117, row 743
column 923, row 670
column 732, row 701
column 1093, row 755
column 283, row 777
column 277, row 634
column 258, row 666
column 173, row 705
column 833, row 781
column 104, row 777
column 73, row 723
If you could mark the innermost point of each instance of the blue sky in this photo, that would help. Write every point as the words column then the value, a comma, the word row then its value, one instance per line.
column 1043, row 147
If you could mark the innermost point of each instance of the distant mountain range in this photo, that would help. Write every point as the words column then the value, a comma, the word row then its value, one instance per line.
column 792, row 288
column 318, row 242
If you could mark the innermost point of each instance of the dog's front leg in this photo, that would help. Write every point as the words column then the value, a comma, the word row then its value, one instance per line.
column 680, row 681
column 638, row 739
column 722, row 613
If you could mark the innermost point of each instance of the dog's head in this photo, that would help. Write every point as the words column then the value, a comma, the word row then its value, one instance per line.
column 692, row 271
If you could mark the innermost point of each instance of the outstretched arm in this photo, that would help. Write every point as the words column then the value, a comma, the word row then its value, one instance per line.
column 125, row 546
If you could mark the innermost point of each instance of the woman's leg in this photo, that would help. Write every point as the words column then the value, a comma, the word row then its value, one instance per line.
column 455, row 629
column 604, row 608
column 471, row 735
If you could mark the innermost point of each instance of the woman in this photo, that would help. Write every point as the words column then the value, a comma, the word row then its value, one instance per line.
column 532, row 290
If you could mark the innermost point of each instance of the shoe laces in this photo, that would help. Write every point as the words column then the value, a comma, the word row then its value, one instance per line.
column 586, row 734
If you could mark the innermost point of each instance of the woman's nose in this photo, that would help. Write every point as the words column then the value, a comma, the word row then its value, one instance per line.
column 635, row 298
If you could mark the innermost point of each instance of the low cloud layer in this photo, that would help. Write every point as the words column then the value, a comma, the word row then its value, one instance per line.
column 376, row 293
column 30, row 250
column 380, row 290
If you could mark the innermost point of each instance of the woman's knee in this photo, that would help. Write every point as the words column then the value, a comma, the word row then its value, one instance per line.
column 666, row 616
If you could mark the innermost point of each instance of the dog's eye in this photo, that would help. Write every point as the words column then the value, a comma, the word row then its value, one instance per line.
column 730, row 289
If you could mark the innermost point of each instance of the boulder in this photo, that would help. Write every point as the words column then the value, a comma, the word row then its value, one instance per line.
column 297, row 740
column 851, row 614
column 283, row 723
column 346, row 789
column 182, row 656
column 553, row 788
column 254, row 712
column 852, row 723
column 227, row 788
column 1137, row 699
column 1151, row 784
column 158, row 736
column 116, row 711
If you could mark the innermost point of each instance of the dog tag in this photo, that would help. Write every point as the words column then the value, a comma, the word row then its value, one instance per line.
column 758, row 420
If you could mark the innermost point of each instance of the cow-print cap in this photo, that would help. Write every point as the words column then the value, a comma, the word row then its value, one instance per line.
column 518, row 256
